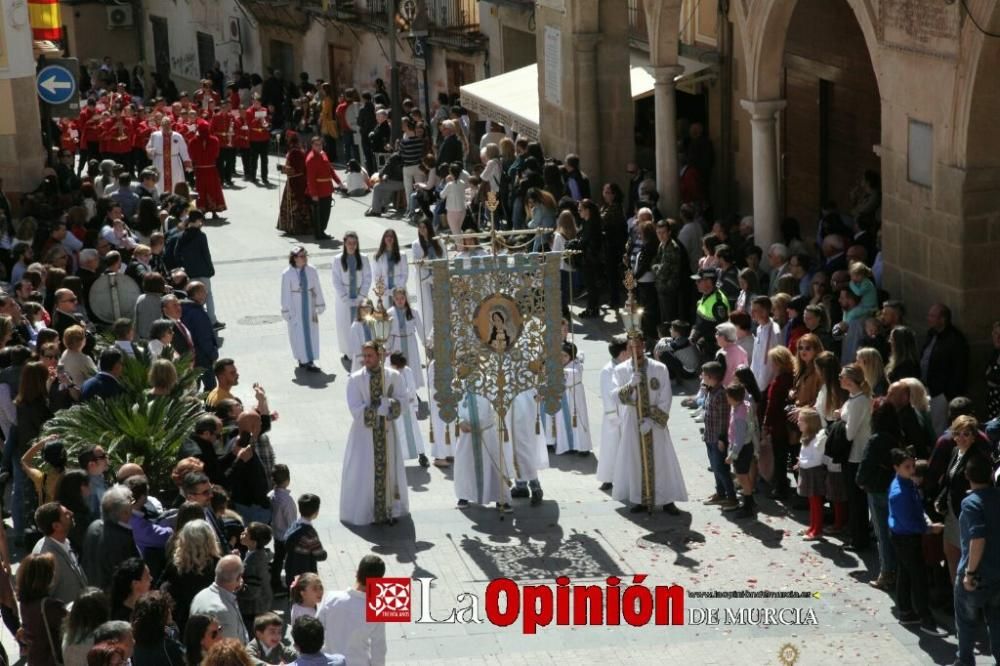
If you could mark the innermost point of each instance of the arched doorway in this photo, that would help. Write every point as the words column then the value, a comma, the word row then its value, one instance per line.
column 833, row 119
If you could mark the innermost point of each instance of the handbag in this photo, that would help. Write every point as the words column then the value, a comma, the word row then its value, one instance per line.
column 56, row 654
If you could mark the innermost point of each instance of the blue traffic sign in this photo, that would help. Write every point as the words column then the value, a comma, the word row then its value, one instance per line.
column 55, row 84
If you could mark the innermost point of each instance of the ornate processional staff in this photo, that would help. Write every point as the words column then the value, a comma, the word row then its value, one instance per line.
column 632, row 318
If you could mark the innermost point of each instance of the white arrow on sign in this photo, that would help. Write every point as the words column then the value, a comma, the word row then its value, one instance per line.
column 52, row 85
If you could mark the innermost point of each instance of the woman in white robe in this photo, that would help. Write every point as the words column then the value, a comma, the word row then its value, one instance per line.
column 408, row 428
column 352, row 278
column 478, row 458
column 428, row 248
column 301, row 306
column 611, row 419
column 373, row 485
column 666, row 481
column 389, row 265
column 406, row 333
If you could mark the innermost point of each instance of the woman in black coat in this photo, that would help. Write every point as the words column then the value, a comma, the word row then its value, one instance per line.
column 194, row 256
column 615, row 238
column 592, row 241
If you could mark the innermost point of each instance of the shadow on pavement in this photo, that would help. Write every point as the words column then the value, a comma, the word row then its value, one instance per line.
column 316, row 380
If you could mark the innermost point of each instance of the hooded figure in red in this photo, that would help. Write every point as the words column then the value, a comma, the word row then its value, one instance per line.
column 204, row 150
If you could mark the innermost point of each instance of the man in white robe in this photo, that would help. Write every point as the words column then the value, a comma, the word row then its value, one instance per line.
column 301, row 305
column 482, row 469
column 530, row 455
column 373, row 487
column 647, row 472
column 169, row 152
column 611, row 420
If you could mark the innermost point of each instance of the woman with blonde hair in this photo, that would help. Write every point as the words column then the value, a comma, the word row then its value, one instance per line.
column 192, row 566
column 921, row 404
column 162, row 377
column 870, row 361
column 782, row 376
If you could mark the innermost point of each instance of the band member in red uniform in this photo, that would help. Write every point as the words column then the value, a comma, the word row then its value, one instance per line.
column 204, row 151
column 118, row 138
column 259, row 122
column 243, row 143
column 87, row 124
column 233, row 95
column 204, row 97
column 224, row 128
column 120, row 98
column 320, row 177
column 140, row 137
column 189, row 130
column 69, row 136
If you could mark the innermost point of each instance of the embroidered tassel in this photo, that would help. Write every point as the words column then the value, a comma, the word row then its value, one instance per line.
column 506, row 438
column 574, row 416
column 458, row 433
column 538, row 420
column 447, row 435
column 431, row 434
column 554, row 433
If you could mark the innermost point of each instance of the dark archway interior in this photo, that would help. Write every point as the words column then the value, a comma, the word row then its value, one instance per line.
column 833, row 118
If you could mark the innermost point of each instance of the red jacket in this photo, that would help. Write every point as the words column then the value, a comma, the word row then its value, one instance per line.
column 117, row 133
column 775, row 419
column 319, row 175
column 260, row 127
column 67, row 140
column 143, row 130
column 199, row 98
column 224, row 127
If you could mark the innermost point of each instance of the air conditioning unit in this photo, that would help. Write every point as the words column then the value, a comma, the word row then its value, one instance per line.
column 120, row 16
column 233, row 30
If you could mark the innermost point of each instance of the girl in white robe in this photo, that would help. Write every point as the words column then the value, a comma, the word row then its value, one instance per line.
column 406, row 333
column 360, row 333
column 301, row 305
column 352, row 278
column 567, row 436
column 426, row 247
column 411, row 440
column 389, row 265
column 478, row 459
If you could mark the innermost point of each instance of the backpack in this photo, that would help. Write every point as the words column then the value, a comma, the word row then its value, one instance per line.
column 575, row 261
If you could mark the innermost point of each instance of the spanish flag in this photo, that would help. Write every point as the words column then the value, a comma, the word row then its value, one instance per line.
column 46, row 23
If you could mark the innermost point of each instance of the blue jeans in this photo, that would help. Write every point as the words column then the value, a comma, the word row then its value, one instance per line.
column 723, row 479
column 878, row 504
column 968, row 606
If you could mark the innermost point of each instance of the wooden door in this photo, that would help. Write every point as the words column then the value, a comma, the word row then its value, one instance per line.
column 341, row 68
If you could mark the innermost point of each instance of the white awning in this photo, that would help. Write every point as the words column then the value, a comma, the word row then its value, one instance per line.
column 511, row 99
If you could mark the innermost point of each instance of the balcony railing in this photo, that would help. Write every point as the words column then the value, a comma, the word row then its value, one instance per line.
column 454, row 14
column 637, row 22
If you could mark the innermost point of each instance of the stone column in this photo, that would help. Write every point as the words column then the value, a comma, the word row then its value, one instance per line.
column 766, row 199
column 22, row 154
column 665, row 105
column 588, row 130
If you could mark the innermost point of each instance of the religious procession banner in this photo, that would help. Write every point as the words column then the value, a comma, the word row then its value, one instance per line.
column 498, row 330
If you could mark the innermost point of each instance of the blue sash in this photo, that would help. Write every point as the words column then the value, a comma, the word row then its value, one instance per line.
column 306, row 314
column 476, row 439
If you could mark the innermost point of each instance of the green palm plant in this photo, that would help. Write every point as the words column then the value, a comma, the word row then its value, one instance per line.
column 135, row 426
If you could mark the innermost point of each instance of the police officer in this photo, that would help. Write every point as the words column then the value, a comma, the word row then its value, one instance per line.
column 712, row 310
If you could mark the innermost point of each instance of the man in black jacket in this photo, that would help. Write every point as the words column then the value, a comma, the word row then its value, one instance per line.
column 194, row 255
column 366, row 124
column 206, row 345
column 944, row 363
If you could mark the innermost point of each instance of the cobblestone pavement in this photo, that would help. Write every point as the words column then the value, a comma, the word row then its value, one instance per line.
column 578, row 531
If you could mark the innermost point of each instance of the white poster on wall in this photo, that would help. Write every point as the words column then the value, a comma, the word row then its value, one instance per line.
column 553, row 65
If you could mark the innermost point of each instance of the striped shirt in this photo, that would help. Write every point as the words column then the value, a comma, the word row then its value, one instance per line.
column 412, row 150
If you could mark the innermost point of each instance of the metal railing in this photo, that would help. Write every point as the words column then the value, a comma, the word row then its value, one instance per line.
column 637, row 22
column 454, row 14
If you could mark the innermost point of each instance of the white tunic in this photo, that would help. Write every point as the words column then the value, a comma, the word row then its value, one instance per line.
column 610, row 426
column 668, row 481
column 478, row 455
column 360, row 334
column 178, row 157
column 345, row 305
column 399, row 273
column 444, row 442
column 530, row 454
column 408, row 428
column 564, row 434
column 302, row 318
column 425, row 281
column 406, row 336
column 357, row 487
